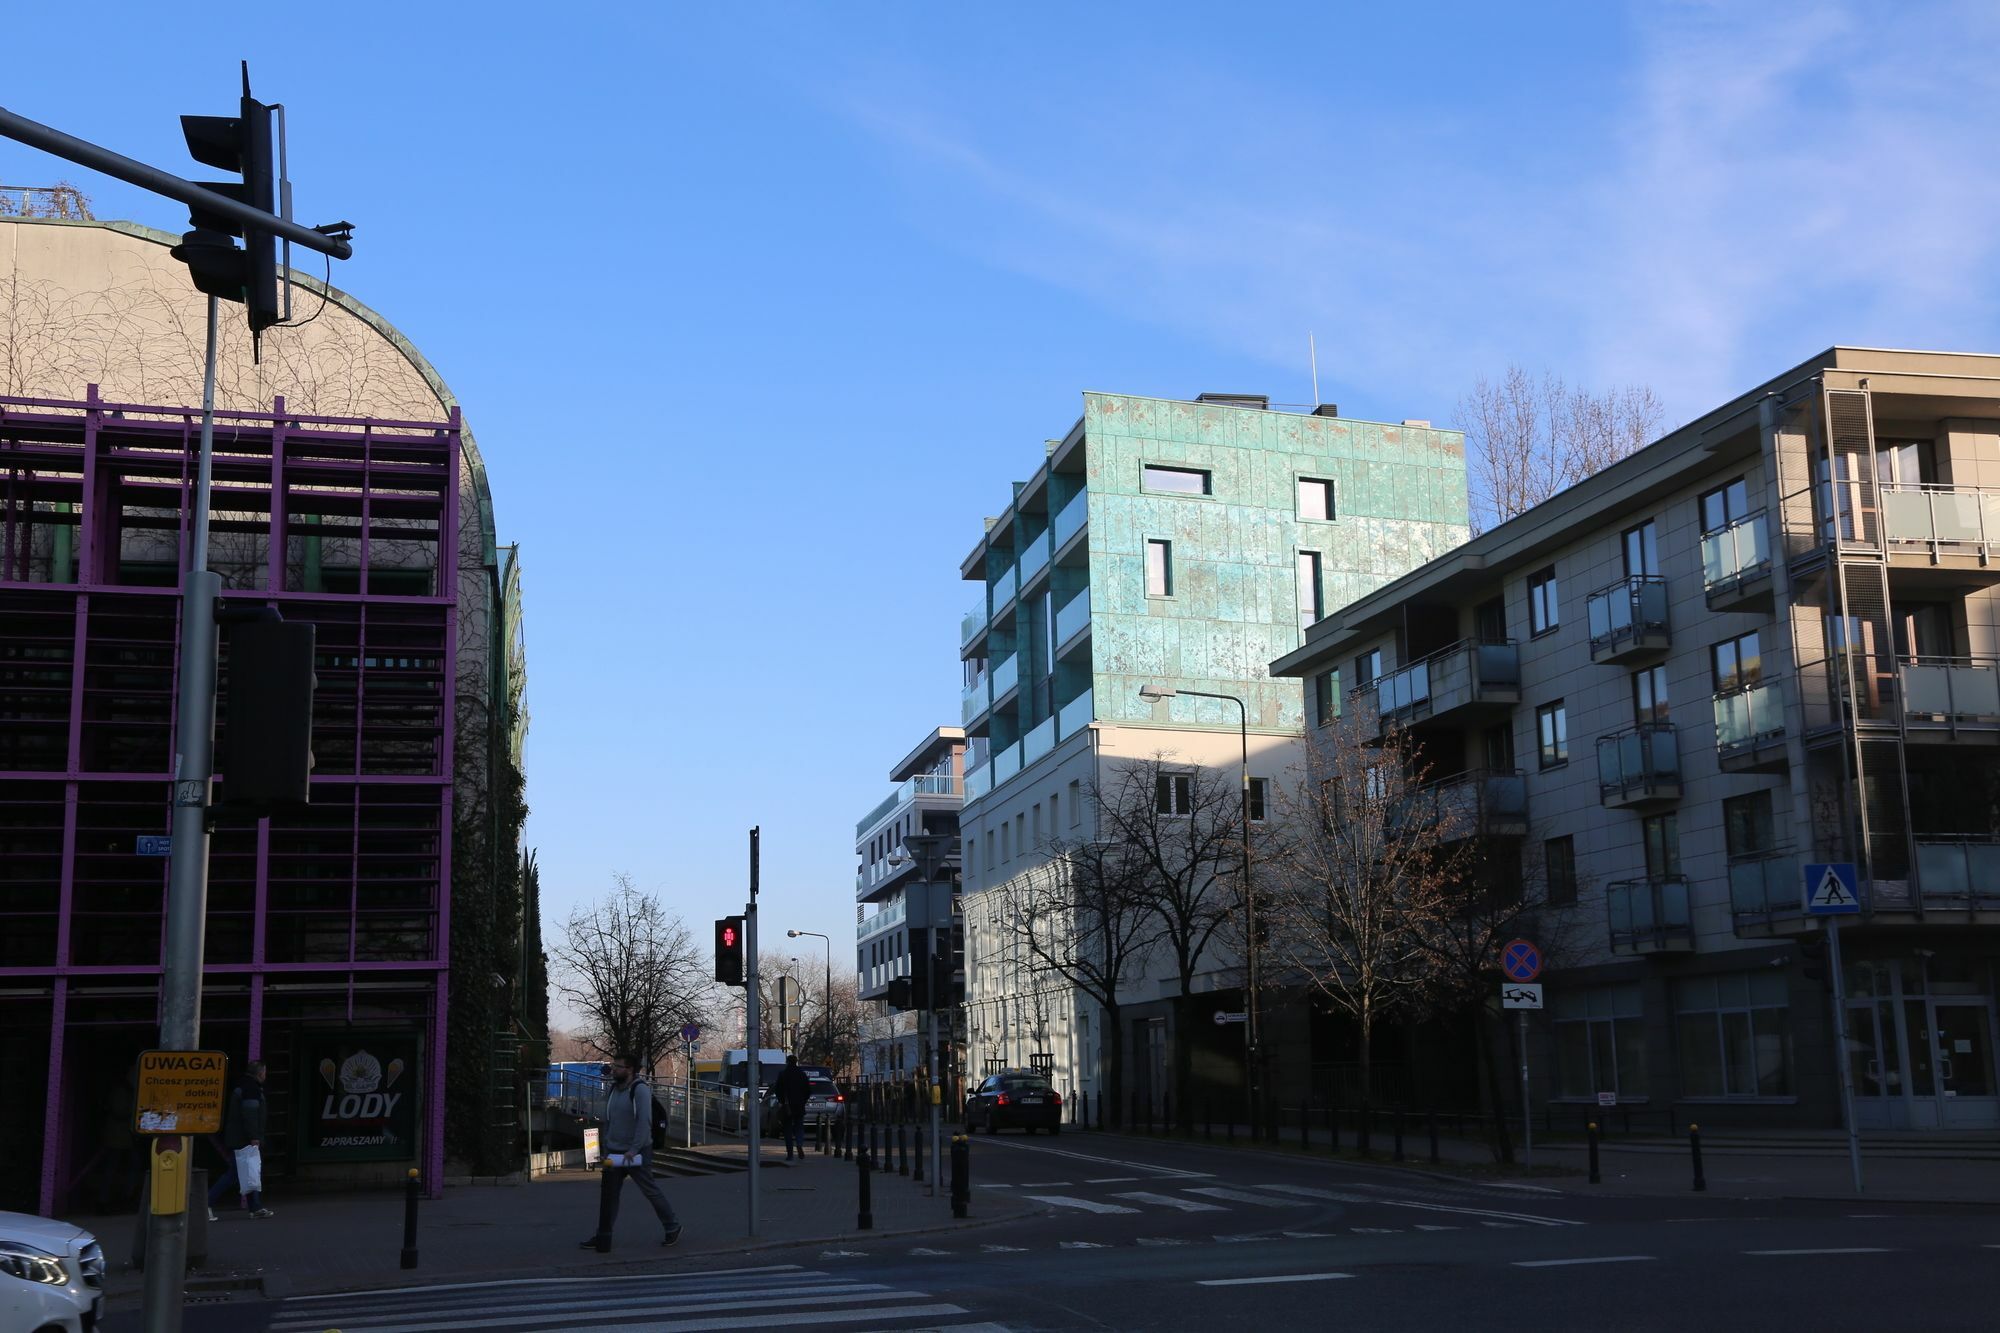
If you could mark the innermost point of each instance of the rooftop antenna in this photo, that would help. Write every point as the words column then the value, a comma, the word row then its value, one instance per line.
column 1312, row 350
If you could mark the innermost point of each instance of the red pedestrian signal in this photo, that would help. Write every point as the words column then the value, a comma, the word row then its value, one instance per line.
column 729, row 951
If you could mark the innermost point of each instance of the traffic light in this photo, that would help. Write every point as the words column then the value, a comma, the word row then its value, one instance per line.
column 243, row 144
column 729, row 950
column 1812, row 957
column 267, row 706
column 901, row 994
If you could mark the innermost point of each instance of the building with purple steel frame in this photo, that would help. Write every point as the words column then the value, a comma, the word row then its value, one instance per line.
column 336, row 934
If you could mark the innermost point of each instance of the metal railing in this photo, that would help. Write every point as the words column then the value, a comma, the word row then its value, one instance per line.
column 1469, row 804
column 1748, row 717
column 1732, row 556
column 1629, row 609
column 923, row 784
column 44, row 201
column 1640, row 761
column 1959, row 871
column 1951, row 691
column 1649, row 915
column 1941, row 516
column 1436, row 681
column 1766, row 885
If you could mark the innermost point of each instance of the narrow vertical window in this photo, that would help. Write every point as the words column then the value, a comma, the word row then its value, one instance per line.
column 1552, row 729
column 1159, row 568
column 1312, row 598
column 1559, row 862
column 1257, row 800
column 1544, row 612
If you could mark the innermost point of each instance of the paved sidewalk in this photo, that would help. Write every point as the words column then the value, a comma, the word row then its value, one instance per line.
column 338, row 1242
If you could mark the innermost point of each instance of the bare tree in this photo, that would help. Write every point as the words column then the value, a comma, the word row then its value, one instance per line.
column 1354, row 875
column 1531, row 438
column 1182, row 827
column 1084, row 916
column 630, row 971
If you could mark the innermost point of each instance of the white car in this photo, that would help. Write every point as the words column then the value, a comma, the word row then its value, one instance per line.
column 51, row 1276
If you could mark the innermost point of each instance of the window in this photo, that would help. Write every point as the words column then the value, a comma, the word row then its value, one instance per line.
column 1173, row 793
column 1543, row 613
column 1600, row 1042
column 1735, row 1035
column 989, row 849
column 1649, row 695
column 1020, row 835
column 1326, row 697
column 1725, row 505
column 1662, row 836
column 1497, row 741
column 1159, row 568
column 1315, row 498
column 1004, row 855
column 1489, row 620
column 1038, row 824
column 1179, row 480
column 1055, row 813
column 1552, row 730
column 1076, row 803
column 1312, row 603
column 1642, row 549
column 1367, row 667
column 1559, row 865
column 1257, row 800
column 1738, row 662
column 1747, row 826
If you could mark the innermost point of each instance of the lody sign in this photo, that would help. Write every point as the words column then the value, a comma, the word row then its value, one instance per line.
column 359, row 1096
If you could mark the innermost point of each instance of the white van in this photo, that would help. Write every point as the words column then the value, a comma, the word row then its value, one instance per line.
column 733, row 1113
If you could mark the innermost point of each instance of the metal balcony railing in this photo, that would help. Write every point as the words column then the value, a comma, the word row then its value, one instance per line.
column 1628, row 614
column 1734, row 556
column 923, row 784
column 1748, row 717
column 1942, row 518
column 1649, row 915
column 1476, row 803
column 1766, row 885
column 1959, row 872
column 1466, row 672
column 1639, row 763
column 1951, row 692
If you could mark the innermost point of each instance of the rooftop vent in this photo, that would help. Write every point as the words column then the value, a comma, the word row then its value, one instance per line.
column 1327, row 410
column 1259, row 401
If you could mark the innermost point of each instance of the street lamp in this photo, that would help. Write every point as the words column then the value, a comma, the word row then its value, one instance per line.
column 1153, row 694
column 826, row 998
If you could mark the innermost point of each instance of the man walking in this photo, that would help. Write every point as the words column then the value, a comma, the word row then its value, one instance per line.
column 243, row 1124
column 628, row 1135
column 793, row 1091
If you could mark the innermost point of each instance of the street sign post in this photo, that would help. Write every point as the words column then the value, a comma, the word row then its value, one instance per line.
column 1521, row 962
column 1520, row 995
column 1224, row 1017
column 1832, row 891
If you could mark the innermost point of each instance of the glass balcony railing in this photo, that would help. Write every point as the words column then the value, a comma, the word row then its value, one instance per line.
column 975, row 621
column 1766, row 886
column 923, row 784
column 1070, row 520
column 1073, row 616
column 1006, row 586
column 1075, row 715
column 1035, row 559
column 1734, row 556
column 973, row 702
column 1466, row 673
column 1951, row 692
column 1749, row 717
column 978, row 782
column 1961, row 872
column 1006, row 763
column 1006, row 676
column 1629, row 615
column 1638, row 764
column 1942, row 517
column 1039, row 740
column 1649, row 915
column 889, row 917
column 1477, row 803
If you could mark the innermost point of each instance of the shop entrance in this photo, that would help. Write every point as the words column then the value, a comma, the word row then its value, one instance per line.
column 1920, row 1044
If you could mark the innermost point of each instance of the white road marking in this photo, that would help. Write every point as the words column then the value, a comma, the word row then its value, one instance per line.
column 843, row 1254
column 1262, row 1281
column 1851, row 1249
column 1149, row 1170
column 1601, row 1259
column 1087, row 1205
column 1160, row 1240
column 1376, row 1231
column 1082, row 1245
column 1110, row 1180
column 1238, row 1240
column 1506, row 1185
column 1242, row 1196
column 994, row 1187
column 1313, row 1235
column 1532, row 1219
column 1045, row 1184
column 1002, row 1249
column 1502, row 1226
column 1169, row 1201
column 928, row 1253
column 545, row 1282
column 1426, row 1226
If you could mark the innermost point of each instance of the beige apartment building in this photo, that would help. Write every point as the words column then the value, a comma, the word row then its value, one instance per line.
column 1771, row 639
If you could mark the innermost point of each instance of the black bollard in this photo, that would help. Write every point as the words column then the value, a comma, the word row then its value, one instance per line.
column 902, row 1149
column 865, row 1220
column 961, row 1176
column 1595, row 1177
column 1397, row 1115
column 917, row 1156
column 1694, row 1146
column 410, row 1221
column 1434, row 1135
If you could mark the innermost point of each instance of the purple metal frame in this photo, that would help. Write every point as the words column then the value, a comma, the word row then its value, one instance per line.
column 105, row 456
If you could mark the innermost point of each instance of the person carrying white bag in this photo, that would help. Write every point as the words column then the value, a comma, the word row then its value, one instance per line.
column 626, row 1139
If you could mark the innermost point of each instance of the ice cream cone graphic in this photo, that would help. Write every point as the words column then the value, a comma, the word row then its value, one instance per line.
column 326, row 1073
column 395, row 1072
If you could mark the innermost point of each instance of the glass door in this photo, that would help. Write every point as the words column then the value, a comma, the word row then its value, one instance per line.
column 1964, row 1039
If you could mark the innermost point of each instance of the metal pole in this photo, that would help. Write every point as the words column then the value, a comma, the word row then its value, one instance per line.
column 937, row 1098
column 690, row 1097
column 1840, row 1049
column 1527, row 1118
column 187, row 896
column 753, row 1035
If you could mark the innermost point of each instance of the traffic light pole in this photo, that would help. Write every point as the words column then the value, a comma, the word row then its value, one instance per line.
column 1840, row 1049
column 187, row 893
column 753, row 1033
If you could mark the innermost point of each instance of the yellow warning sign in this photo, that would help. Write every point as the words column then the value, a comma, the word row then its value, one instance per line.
column 181, row 1092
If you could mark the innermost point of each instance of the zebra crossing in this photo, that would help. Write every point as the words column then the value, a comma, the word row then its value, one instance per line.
column 774, row 1296
column 1283, row 1196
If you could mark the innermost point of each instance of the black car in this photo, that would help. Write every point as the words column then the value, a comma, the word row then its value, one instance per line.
column 1014, row 1099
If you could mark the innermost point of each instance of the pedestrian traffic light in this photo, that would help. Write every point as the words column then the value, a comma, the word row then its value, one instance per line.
column 267, row 709
column 1812, row 957
column 730, row 950
column 242, row 143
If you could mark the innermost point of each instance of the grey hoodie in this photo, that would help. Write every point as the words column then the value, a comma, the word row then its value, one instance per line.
column 628, row 1118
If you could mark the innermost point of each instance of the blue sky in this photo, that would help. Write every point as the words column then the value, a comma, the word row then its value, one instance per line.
column 756, row 311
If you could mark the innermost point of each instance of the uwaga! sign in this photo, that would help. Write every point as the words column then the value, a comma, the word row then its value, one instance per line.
column 359, row 1098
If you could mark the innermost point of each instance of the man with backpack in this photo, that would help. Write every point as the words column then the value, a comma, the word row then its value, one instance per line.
column 793, row 1091
column 627, row 1141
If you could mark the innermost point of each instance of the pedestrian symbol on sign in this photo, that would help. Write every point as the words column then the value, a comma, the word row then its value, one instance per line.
column 1831, row 888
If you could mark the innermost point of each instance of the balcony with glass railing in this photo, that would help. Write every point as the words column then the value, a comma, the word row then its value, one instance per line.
column 923, row 784
column 1947, row 697
column 978, row 781
column 1075, row 715
column 1006, row 677
column 974, row 700
column 1750, row 726
column 1453, row 683
column 1638, row 766
column 1957, row 872
column 1736, row 564
column 1475, row 804
column 1957, row 526
column 1650, row 915
column 1004, row 588
column 974, row 622
column 1041, row 738
column 1034, row 558
column 1072, row 619
column 1070, row 520
column 891, row 915
column 1628, row 619
column 1764, row 887
column 1006, row 763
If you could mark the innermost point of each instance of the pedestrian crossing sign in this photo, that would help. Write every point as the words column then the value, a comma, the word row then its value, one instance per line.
column 1832, row 888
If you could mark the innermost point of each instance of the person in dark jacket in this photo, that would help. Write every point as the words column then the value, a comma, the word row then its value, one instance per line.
column 243, row 1125
column 793, row 1091
column 626, row 1140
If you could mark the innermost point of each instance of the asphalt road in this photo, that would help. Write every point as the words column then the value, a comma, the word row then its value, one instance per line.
column 1133, row 1234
